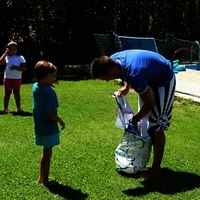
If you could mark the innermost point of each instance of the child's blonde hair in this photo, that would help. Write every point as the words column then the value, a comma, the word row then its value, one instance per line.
column 43, row 68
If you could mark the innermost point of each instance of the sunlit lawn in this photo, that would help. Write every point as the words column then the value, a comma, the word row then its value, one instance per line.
column 84, row 161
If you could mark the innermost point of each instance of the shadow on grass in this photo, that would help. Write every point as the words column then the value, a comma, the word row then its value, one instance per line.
column 170, row 182
column 25, row 113
column 67, row 192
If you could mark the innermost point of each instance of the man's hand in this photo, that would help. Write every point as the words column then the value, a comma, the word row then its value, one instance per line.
column 134, row 121
column 124, row 90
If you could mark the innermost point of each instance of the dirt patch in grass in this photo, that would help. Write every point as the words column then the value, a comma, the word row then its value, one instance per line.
column 177, row 101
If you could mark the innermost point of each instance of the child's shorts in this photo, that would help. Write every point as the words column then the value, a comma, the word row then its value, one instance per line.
column 12, row 83
column 47, row 140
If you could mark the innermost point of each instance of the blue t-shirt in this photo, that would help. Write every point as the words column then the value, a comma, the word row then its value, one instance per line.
column 142, row 68
column 44, row 98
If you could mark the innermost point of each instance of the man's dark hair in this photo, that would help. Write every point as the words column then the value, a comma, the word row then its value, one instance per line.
column 101, row 65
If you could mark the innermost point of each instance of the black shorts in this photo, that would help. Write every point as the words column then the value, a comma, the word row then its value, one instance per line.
column 160, row 116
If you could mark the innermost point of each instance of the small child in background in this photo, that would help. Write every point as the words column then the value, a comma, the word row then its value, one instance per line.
column 15, row 65
column 45, row 104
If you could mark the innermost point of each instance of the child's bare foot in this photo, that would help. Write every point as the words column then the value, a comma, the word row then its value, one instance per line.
column 39, row 180
column 43, row 183
column 151, row 173
column 47, row 183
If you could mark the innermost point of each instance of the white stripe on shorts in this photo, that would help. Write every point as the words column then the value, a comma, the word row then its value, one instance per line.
column 159, row 118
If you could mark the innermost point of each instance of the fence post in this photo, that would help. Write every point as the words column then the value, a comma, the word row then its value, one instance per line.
column 191, row 52
column 171, row 47
column 199, row 55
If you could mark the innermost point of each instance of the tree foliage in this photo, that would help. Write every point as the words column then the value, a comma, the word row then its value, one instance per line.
column 54, row 29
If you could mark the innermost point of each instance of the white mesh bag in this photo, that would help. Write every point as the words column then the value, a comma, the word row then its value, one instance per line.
column 133, row 152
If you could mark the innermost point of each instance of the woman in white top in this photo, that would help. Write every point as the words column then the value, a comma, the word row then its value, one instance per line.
column 15, row 65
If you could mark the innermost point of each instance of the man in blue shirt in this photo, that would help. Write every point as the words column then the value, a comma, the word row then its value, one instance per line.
column 152, row 77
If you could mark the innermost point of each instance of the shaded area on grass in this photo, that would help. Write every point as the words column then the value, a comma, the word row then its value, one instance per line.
column 67, row 192
column 170, row 182
column 23, row 114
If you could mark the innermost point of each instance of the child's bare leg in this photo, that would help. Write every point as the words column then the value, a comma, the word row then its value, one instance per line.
column 45, row 166
column 7, row 97
column 158, row 150
column 16, row 93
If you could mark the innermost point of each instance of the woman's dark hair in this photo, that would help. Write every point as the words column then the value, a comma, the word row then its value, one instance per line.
column 101, row 65
column 43, row 68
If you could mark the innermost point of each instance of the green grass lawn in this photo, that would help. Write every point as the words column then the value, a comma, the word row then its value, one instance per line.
column 84, row 161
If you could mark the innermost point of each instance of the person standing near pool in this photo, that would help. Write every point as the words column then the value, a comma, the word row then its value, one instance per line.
column 152, row 77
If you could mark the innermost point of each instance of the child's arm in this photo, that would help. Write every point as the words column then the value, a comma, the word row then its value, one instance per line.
column 2, row 59
column 21, row 68
column 54, row 117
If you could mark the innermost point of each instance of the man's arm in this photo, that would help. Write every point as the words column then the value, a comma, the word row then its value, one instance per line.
column 149, row 103
column 124, row 90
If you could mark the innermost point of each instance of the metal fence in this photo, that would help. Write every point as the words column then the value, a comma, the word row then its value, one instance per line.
column 187, row 69
column 185, row 53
